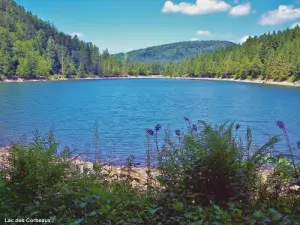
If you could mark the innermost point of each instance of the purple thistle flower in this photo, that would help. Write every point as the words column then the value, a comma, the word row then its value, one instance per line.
column 157, row 127
column 280, row 124
column 194, row 127
column 237, row 126
column 186, row 119
column 177, row 132
column 298, row 144
column 150, row 132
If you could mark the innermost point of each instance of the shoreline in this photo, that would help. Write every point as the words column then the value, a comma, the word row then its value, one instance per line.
column 265, row 82
column 139, row 173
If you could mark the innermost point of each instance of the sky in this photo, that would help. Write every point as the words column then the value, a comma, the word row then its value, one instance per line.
column 125, row 25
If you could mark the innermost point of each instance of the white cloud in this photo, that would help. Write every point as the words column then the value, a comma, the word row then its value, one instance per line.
column 236, row 1
column 203, row 32
column 240, row 10
column 244, row 39
column 281, row 15
column 199, row 8
column 194, row 39
column 295, row 24
column 79, row 35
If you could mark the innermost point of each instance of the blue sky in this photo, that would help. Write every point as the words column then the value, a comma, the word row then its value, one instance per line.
column 124, row 25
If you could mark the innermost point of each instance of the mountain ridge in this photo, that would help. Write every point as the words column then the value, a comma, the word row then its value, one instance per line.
column 172, row 52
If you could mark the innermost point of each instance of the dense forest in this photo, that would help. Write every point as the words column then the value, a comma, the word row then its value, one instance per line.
column 175, row 52
column 32, row 48
column 274, row 56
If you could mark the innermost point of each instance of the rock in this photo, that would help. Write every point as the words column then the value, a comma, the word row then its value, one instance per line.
column 83, row 166
column 4, row 161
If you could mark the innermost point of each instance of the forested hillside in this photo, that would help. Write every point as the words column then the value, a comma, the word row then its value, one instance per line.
column 30, row 47
column 273, row 56
column 174, row 52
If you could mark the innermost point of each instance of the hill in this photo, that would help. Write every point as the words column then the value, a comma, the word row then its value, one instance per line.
column 174, row 52
column 30, row 47
column 271, row 56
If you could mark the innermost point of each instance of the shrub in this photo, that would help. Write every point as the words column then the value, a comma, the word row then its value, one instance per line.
column 31, row 178
column 211, row 165
column 292, row 79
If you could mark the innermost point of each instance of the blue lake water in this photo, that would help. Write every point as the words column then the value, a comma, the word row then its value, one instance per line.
column 125, row 108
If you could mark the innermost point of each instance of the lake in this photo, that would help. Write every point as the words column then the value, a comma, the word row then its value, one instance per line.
column 124, row 108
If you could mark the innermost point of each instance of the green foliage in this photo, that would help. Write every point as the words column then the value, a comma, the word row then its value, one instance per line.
column 2, row 77
column 30, row 47
column 209, row 166
column 269, row 56
column 40, row 184
column 210, row 175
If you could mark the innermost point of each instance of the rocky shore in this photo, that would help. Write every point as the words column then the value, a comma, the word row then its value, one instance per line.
column 88, row 168
column 139, row 175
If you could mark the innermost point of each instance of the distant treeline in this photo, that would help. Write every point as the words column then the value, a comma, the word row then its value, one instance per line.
column 273, row 56
column 30, row 47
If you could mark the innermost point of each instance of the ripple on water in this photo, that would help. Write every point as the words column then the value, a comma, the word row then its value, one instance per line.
column 125, row 108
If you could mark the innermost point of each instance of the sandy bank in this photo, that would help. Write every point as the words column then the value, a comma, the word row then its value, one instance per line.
column 265, row 82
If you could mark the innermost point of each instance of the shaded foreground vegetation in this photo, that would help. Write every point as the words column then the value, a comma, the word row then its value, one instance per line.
column 207, row 175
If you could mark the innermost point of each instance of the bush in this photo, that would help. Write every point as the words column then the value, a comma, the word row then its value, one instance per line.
column 30, row 181
column 292, row 79
column 38, row 185
column 2, row 77
column 211, row 166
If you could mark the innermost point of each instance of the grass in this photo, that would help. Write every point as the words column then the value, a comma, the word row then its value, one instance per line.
column 207, row 175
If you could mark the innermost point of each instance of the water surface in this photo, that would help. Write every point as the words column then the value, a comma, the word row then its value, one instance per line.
column 125, row 108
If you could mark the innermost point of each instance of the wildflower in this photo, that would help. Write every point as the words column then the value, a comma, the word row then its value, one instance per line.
column 177, row 132
column 194, row 127
column 237, row 126
column 172, row 195
column 280, row 124
column 298, row 144
column 157, row 127
column 150, row 132
column 186, row 119
column 163, row 196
